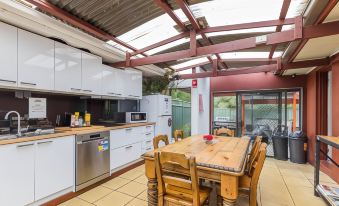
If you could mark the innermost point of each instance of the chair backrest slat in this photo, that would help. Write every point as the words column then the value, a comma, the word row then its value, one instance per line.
column 178, row 134
column 254, row 151
column 159, row 138
column 166, row 179
column 224, row 131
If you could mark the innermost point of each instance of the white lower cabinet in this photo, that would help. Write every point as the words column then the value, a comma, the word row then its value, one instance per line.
column 124, row 155
column 31, row 171
column 128, row 144
column 53, row 166
column 17, row 174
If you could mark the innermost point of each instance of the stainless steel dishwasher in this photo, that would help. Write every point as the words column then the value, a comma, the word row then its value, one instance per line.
column 92, row 158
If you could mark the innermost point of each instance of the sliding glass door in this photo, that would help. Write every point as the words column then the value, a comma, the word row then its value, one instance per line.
column 251, row 112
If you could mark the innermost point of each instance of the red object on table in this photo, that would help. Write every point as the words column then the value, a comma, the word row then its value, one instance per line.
column 208, row 137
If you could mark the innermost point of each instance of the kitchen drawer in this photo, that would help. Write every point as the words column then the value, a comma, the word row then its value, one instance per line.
column 125, row 136
column 147, row 143
column 124, row 155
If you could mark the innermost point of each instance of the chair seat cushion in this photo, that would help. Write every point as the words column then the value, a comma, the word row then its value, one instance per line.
column 184, row 196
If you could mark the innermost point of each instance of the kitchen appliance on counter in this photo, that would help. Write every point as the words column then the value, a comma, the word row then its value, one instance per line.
column 159, row 110
column 136, row 117
column 92, row 158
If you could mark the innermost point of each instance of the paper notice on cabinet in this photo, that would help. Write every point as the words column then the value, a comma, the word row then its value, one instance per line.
column 37, row 108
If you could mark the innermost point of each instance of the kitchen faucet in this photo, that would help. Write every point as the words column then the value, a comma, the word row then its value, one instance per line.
column 19, row 118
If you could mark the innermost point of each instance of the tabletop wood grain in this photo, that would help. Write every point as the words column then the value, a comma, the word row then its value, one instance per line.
column 226, row 153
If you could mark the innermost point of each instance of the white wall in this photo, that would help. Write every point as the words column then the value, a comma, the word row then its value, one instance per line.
column 200, row 119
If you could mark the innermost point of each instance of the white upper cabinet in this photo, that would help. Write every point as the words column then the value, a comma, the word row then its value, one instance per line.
column 54, row 165
column 91, row 74
column 17, row 174
column 67, row 68
column 35, row 61
column 133, row 83
column 113, row 81
column 8, row 55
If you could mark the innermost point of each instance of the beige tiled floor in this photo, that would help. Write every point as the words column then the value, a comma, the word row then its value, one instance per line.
column 281, row 184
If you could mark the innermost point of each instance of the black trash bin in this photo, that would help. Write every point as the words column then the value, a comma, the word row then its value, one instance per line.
column 280, row 142
column 298, row 147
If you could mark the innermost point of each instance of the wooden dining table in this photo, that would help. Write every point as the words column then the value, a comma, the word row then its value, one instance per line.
column 223, row 161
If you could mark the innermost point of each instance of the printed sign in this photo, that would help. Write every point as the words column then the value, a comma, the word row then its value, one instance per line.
column 194, row 83
column 103, row 145
column 37, row 108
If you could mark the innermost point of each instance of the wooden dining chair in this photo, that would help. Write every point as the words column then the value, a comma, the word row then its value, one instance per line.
column 174, row 190
column 178, row 134
column 224, row 132
column 253, row 153
column 157, row 139
column 248, row 183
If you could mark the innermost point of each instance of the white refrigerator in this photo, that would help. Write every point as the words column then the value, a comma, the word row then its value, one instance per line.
column 159, row 110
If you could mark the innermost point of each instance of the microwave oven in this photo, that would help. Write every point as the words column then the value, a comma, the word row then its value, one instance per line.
column 135, row 117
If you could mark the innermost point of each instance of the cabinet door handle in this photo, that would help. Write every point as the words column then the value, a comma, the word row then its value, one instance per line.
column 148, row 133
column 114, row 93
column 128, row 129
column 128, row 147
column 149, row 141
column 9, row 81
column 28, row 83
column 45, row 142
column 25, row 145
column 75, row 89
column 148, row 148
column 87, row 90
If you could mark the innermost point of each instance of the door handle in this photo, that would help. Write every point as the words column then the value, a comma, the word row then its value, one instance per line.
column 128, row 129
column 9, row 81
column 148, row 133
column 149, row 141
column 45, row 142
column 129, row 147
column 87, row 90
column 28, row 83
column 25, row 145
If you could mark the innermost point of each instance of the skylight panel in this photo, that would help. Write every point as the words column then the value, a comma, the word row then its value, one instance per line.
column 221, row 12
column 190, row 62
column 151, row 32
column 297, row 7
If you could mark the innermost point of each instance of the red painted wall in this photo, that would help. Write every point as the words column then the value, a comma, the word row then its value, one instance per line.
column 255, row 81
column 335, row 113
column 311, row 114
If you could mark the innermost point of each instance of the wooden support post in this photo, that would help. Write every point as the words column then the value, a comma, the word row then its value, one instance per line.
column 193, row 43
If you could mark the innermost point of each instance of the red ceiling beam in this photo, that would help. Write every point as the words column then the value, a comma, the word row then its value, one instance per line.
column 187, row 11
column 77, row 22
column 315, row 31
column 170, row 12
column 307, row 63
column 282, row 16
column 261, row 60
column 237, row 71
column 218, row 29
column 161, row 43
column 251, row 25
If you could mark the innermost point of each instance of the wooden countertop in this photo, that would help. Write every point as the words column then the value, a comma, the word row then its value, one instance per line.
column 64, row 131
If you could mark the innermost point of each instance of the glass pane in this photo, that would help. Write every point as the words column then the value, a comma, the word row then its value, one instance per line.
column 225, row 111
column 293, row 111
